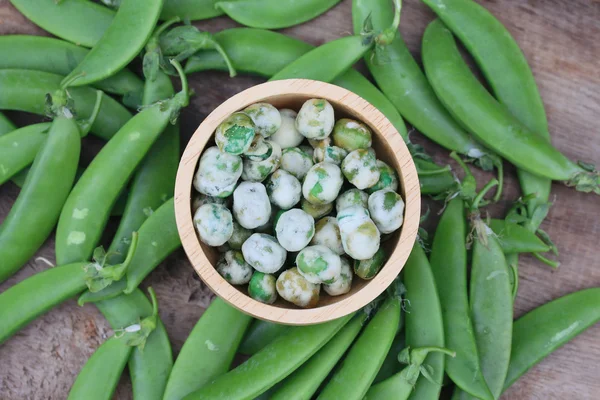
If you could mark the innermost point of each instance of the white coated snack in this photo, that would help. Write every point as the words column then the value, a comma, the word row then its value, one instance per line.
column 322, row 183
column 234, row 268
column 318, row 264
column 360, row 168
column 251, row 205
column 263, row 253
column 315, row 119
column 287, row 135
column 352, row 197
column 262, row 287
column 360, row 236
column 343, row 283
column 235, row 134
column 332, row 154
column 316, row 210
column 200, row 199
column 295, row 229
column 294, row 288
column 387, row 210
column 214, row 224
column 388, row 179
column 284, row 189
column 296, row 161
column 327, row 233
column 258, row 171
column 217, row 173
column 266, row 118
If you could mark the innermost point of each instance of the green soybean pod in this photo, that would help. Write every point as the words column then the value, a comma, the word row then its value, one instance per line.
column 208, row 351
column 423, row 319
column 546, row 328
column 303, row 383
column 274, row 14
column 449, row 266
column 19, row 148
column 259, row 334
column 100, row 375
column 359, row 368
column 122, row 41
column 60, row 57
column 191, row 10
column 6, row 125
column 514, row 238
column 79, row 21
column 26, row 90
column 272, row 364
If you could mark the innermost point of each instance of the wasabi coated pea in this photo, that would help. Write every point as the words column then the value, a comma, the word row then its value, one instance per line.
column 294, row 288
column 294, row 229
column 316, row 210
column 284, row 189
column 263, row 253
column 239, row 236
column 287, row 135
column 266, row 118
column 251, row 205
column 327, row 233
column 322, row 183
column 318, row 264
column 367, row 269
column 259, row 150
column 319, row 143
column 217, row 173
column 387, row 210
column 343, row 283
column 234, row 268
column 258, row 171
column 360, row 236
column 360, row 168
column 296, row 161
column 214, row 224
column 352, row 197
column 200, row 199
column 262, row 287
column 351, row 135
column 315, row 119
column 332, row 154
column 387, row 178
column 235, row 134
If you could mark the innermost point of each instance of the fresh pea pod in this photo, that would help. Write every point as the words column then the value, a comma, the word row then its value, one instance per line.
column 259, row 334
column 270, row 365
column 121, row 42
column 513, row 264
column 449, row 266
column 28, row 140
column 208, row 351
column 274, row 14
column 6, row 125
column 26, row 90
column 303, row 383
column 514, row 238
column 390, row 364
column 87, row 209
column 423, row 319
column 434, row 179
column 191, row 10
column 545, row 329
column 468, row 101
column 356, row 373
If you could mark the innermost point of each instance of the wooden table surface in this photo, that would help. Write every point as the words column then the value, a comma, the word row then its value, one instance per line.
column 560, row 40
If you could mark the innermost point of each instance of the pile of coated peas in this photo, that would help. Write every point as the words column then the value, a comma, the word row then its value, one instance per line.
column 267, row 199
column 305, row 159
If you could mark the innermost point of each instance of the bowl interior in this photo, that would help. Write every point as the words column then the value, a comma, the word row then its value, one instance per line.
column 389, row 148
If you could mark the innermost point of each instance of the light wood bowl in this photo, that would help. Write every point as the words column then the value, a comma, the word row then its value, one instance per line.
column 389, row 147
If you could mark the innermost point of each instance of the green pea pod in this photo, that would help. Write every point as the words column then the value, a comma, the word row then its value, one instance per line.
column 545, row 329
column 433, row 178
column 60, row 57
column 272, row 364
column 401, row 385
column 513, row 263
column 449, row 266
column 135, row 21
column 516, row 239
column 359, row 368
column 505, row 68
column 208, row 351
column 424, row 324
column 468, row 101
column 191, row 10
column 274, row 14
column 79, row 21
column 303, row 383
column 259, row 334
column 26, row 90
column 6, row 126
column 87, row 209
column 391, row 365
column 28, row 140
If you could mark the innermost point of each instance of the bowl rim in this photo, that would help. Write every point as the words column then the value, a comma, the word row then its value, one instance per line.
column 366, row 113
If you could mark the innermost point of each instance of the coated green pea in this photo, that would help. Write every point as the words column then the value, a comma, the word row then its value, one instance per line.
column 360, row 168
column 343, row 283
column 294, row 229
column 239, row 236
column 218, row 173
column 387, row 210
column 297, row 162
column 262, row 287
column 264, row 253
column 287, row 135
column 332, row 154
column 327, row 233
column 284, row 189
column 266, row 118
column 351, row 135
column 296, row 289
column 388, row 179
column 316, row 210
column 258, row 171
column 352, row 197
column 367, row 269
column 235, row 134
column 318, row 264
column 234, row 268
column 322, row 183
column 315, row 119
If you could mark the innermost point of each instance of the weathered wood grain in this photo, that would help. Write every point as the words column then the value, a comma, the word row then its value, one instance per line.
column 560, row 39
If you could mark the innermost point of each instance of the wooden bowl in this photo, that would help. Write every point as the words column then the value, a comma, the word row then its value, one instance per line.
column 390, row 148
